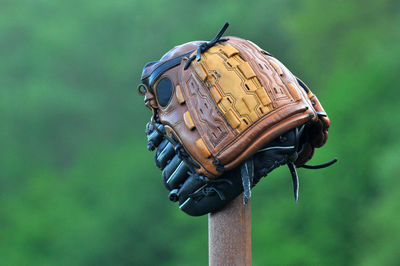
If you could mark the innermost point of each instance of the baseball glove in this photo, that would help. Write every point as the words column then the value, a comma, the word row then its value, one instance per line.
column 225, row 114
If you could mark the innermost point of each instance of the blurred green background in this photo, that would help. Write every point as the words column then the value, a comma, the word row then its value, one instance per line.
column 78, row 187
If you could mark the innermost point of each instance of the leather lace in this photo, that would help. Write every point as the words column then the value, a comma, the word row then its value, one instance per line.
column 319, row 166
column 207, row 45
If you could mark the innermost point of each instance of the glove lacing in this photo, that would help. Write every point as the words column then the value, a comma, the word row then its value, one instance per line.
column 207, row 45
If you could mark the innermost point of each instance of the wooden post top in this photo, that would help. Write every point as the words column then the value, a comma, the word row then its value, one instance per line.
column 229, row 234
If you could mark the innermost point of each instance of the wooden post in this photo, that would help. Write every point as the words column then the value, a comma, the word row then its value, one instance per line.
column 229, row 234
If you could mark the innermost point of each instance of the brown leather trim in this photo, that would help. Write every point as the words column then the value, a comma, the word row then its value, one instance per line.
column 274, row 132
column 259, row 133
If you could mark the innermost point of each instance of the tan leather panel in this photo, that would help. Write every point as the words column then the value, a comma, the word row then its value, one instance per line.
column 234, row 86
column 232, row 118
column 247, row 102
column 254, row 116
column 273, row 82
column 200, row 71
column 179, row 95
column 203, row 148
column 276, row 67
column 188, row 120
column 293, row 91
column 232, row 62
column 262, row 110
column 229, row 50
column 262, row 94
column 246, row 70
column 251, row 85
column 215, row 94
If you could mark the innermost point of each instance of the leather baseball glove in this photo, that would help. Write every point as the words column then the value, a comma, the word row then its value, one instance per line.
column 225, row 114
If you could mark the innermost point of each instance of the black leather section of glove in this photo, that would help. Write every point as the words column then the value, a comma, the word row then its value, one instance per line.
column 199, row 195
column 213, row 195
column 154, row 138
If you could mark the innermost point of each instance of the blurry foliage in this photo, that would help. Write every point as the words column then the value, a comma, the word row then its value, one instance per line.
column 78, row 187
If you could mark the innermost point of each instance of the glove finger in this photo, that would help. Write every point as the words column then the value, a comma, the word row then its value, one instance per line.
column 211, row 200
column 150, row 127
column 175, row 173
column 170, row 168
column 192, row 185
column 154, row 138
column 160, row 148
column 164, row 154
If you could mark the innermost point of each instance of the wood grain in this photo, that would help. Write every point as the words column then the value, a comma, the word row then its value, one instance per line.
column 229, row 234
